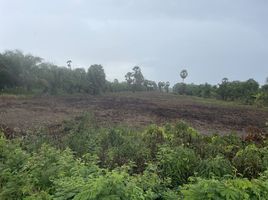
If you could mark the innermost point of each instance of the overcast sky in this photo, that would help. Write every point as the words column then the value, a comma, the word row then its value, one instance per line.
column 212, row 39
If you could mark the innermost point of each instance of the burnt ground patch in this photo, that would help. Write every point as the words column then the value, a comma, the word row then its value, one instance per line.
column 131, row 109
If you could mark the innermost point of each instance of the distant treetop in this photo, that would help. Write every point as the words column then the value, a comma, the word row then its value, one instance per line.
column 183, row 74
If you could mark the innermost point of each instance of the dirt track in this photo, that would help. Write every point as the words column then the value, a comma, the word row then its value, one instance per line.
column 131, row 109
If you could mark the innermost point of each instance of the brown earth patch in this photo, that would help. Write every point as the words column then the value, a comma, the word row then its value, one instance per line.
column 131, row 109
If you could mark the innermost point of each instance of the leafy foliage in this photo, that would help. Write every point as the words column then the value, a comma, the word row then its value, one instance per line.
column 178, row 164
column 234, row 189
column 251, row 161
column 246, row 92
column 215, row 167
column 166, row 163
column 31, row 74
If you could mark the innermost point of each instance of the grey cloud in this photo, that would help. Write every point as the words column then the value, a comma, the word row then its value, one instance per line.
column 211, row 38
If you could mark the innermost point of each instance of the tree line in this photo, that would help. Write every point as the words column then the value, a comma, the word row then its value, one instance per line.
column 247, row 92
column 22, row 73
column 25, row 73
column 28, row 73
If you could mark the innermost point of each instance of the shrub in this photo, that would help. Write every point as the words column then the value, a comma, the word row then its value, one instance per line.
column 67, row 187
column 249, row 161
column 82, row 135
column 184, row 134
column 47, row 165
column 117, row 148
column 215, row 167
column 226, row 146
column 178, row 164
column 230, row 189
column 153, row 186
column 33, row 176
column 12, row 160
column 264, row 152
column 113, row 164
column 112, row 185
column 153, row 138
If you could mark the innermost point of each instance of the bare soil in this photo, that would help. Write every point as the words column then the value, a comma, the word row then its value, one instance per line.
column 132, row 109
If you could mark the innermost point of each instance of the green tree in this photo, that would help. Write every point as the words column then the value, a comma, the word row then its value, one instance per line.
column 138, row 76
column 167, row 84
column 69, row 64
column 135, row 79
column 183, row 74
column 161, row 84
column 96, row 79
column 129, row 79
column 223, row 89
column 80, row 79
column 18, row 69
column 150, row 85
column 5, row 75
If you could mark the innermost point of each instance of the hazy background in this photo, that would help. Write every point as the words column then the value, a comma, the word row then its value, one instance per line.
column 212, row 39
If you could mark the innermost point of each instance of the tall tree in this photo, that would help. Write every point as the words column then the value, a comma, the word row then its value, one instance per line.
column 183, row 74
column 20, row 69
column 138, row 76
column 223, row 89
column 69, row 64
column 167, row 84
column 96, row 79
column 161, row 84
column 129, row 78
column 5, row 76
column 135, row 79
column 79, row 75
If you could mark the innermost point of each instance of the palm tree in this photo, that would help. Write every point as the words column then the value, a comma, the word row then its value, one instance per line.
column 184, row 74
column 69, row 63
column 224, row 80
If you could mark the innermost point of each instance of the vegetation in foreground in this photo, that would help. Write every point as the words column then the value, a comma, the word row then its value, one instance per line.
column 83, row 161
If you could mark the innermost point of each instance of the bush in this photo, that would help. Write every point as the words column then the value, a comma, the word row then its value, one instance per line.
column 118, row 163
column 33, row 176
column 230, row 189
column 249, row 161
column 117, row 148
column 153, row 138
column 154, row 186
column 178, row 164
column 226, row 146
column 112, row 185
column 182, row 134
column 215, row 167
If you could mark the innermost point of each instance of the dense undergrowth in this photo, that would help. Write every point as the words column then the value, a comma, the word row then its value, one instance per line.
column 83, row 161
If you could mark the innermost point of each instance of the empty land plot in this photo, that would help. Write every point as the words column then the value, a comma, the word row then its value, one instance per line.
column 132, row 109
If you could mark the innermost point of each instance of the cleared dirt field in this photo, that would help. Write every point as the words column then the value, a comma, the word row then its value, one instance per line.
column 132, row 109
